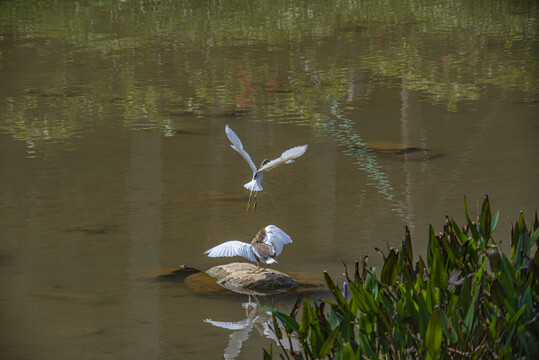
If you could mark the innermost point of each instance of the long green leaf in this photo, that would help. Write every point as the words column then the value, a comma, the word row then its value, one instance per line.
column 495, row 260
column 348, row 326
column 486, row 220
column 516, row 316
column 433, row 240
column 366, row 347
column 461, row 235
column 470, row 314
column 365, row 324
column 390, row 269
column 268, row 355
column 328, row 344
column 348, row 352
column 406, row 258
column 286, row 319
column 364, row 299
column 449, row 251
column 434, row 336
column 439, row 275
column 409, row 251
column 447, row 327
column 494, row 221
column 276, row 327
column 535, row 266
column 295, row 309
column 432, row 296
column 471, row 225
column 358, row 298
column 341, row 300
column 466, row 212
column 420, row 271
column 333, row 319
column 521, row 249
column 534, row 237
column 305, row 317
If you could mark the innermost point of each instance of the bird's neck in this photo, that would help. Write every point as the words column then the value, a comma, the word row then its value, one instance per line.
column 259, row 237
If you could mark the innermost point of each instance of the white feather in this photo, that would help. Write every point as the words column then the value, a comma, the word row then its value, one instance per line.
column 286, row 157
column 255, row 184
column 233, row 248
column 276, row 238
column 238, row 325
column 238, row 146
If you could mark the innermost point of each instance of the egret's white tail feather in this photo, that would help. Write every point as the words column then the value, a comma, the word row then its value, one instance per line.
column 253, row 185
column 290, row 161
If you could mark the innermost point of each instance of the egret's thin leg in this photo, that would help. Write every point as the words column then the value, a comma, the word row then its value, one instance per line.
column 254, row 205
column 249, row 202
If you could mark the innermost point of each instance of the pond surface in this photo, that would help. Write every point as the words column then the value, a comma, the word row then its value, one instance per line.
column 114, row 159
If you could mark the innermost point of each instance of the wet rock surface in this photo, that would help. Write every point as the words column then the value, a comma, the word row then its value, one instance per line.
column 247, row 278
column 240, row 278
column 397, row 150
column 236, row 278
column 168, row 274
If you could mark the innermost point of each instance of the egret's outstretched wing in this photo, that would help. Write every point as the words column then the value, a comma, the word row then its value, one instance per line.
column 238, row 146
column 233, row 248
column 286, row 157
column 277, row 238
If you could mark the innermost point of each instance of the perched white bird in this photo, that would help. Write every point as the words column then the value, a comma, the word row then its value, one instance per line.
column 254, row 185
column 265, row 246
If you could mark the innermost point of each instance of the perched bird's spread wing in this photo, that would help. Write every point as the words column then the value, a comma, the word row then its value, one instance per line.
column 240, row 334
column 233, row 248
column 238, row 325
column 286, row 157
column 238, row 146
column 276, row 238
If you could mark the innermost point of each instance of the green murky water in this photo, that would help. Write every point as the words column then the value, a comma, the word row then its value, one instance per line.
column 114, row 160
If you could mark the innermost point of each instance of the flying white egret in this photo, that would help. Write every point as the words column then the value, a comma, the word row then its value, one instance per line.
column 265, row 246
column 254, row 185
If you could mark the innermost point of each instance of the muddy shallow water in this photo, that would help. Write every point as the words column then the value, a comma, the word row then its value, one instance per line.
column 114, row 159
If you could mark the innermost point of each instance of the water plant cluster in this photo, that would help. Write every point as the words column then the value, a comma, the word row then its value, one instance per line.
column 467, row 300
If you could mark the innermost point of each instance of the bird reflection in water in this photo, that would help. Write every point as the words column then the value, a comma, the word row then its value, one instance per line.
column 256, row 318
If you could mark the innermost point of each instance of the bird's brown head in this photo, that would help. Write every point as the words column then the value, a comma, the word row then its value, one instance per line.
column 259, row 236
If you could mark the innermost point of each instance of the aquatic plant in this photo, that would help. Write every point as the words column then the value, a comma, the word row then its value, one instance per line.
column 468, row 300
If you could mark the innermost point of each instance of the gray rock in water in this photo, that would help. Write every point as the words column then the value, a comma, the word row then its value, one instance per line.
column 242, row 278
